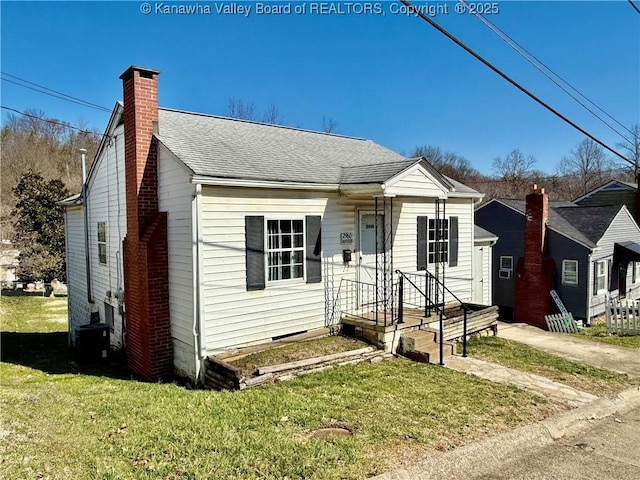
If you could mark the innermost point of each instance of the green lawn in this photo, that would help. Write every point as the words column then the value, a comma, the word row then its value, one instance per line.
column 522, row 357
column 60, row 424
column 598, row 332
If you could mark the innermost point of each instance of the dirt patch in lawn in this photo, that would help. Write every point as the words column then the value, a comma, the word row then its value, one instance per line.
column 293, row 352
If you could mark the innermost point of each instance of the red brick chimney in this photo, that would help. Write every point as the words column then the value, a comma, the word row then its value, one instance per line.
column 148, row 335
column 534, row 272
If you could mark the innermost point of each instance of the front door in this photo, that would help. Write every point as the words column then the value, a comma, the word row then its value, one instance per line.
column 367, row 245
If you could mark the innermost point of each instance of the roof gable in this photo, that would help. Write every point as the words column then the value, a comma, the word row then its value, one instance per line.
column 611, row 186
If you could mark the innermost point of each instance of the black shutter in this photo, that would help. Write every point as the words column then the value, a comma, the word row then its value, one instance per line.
column 254, row 246
column 453, row 241
column 313, row 227
column 595, row 278
column 610, row 277
column 422, row 237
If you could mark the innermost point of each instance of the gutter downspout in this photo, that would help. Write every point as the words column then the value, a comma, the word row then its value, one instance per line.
column 198, row 286
column 590, row 280
column 83, row 153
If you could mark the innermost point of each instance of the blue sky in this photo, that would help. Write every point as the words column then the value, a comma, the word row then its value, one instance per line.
column 388, row 77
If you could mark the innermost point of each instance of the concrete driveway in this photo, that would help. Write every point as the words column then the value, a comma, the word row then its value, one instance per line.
column 609, row 357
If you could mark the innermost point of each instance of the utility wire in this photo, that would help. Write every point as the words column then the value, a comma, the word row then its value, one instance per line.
column 53, row 122
column 635, row 7
column 528, row 56
column 48, row 91
column 510, row 80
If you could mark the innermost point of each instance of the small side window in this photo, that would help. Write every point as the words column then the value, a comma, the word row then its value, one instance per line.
column 102, row 243
column 506, row 267
column 569, row 272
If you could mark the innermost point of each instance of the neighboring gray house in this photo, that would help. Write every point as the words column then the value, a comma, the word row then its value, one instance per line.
column 615, row 192
column 595, row 251
column 207, row 233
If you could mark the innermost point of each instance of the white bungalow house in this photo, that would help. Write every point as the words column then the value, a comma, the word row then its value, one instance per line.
column 207, row 233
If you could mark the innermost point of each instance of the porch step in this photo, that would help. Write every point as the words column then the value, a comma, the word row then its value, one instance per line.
column 423, row 346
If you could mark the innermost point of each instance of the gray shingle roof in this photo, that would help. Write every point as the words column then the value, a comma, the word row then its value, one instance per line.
column 230, row 148
column 480, row 233
column 374, row 173
column 238, row 149
column 585, row 225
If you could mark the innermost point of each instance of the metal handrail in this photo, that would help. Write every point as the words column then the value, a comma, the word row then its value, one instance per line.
column 440, row 309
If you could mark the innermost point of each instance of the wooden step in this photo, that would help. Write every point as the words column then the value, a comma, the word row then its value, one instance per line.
column 424, row 346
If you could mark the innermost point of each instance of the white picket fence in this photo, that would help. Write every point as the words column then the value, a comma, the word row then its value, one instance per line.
column 561, row 323
column 623, row 317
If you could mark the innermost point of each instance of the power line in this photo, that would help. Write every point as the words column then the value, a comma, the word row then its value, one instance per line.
column 48, row 91
column 53, row 122
column 527, row 55
column 510, row 80
column 635, row 7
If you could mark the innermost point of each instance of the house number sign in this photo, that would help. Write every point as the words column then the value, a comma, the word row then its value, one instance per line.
column 346, row 238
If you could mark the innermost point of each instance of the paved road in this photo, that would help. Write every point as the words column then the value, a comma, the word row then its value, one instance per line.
column 608, row 448
column 610, row 357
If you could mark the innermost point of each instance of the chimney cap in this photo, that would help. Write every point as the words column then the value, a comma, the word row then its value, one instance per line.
column 536, row 189
column 144, row 70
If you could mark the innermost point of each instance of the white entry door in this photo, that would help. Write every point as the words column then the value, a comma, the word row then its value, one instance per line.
column 478, row 276
column 367, row 245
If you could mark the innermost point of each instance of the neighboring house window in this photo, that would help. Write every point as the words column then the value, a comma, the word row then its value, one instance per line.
column 438, row 245
column 635, row 273
column 285, row 249
column 506, row 266
column 601, row 276
column 570, row 272
column 102, row 242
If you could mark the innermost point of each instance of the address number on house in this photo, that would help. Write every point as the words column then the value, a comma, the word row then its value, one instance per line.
column 346, row 238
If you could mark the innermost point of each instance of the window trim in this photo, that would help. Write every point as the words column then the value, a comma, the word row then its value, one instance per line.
column 505, row 273
column 565, row 280
column 635, row 273
column 605, row 276
column 102, row 243
column 303, row 249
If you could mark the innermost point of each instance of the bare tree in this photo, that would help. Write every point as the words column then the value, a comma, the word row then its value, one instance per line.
column 272, row 115
column 586, row 167
column 515, row 166
column 240, row 109
column 632, row 149
column 448, row 163
column 329, row 125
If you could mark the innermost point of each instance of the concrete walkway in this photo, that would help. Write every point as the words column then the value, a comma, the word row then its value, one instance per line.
column 609, row 357
column 541, row 386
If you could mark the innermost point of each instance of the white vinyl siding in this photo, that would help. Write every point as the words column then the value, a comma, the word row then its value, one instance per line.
column 175, row 193
column 622, row 228
column 107, row 204
column 233, row 315
column 78, row 306
column 570, row 272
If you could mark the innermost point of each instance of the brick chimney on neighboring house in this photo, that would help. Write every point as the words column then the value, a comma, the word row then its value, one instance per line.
column 534, row 272
column 146, row 274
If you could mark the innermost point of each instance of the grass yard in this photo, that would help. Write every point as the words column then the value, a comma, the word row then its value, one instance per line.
column 60, row 424
column 522, row 357
column 598, row 332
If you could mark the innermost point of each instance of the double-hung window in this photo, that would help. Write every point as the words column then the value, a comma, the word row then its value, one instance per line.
column 635, row 275
column 102, row 242
column 570, row 272
column 438, row 244
column 285, row 249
